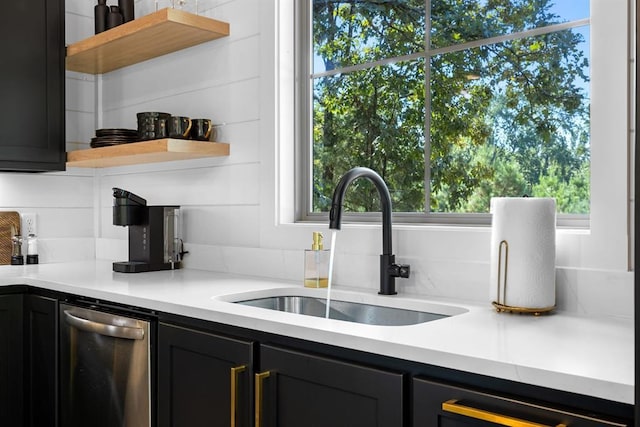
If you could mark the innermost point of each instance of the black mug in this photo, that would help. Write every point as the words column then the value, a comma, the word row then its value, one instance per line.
column 179, row 127
column 201, row 129
column 152, row 125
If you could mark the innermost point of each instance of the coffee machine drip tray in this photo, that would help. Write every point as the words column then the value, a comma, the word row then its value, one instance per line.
column 141, row 267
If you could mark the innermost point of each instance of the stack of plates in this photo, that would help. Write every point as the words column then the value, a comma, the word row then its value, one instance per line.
column 108, row 137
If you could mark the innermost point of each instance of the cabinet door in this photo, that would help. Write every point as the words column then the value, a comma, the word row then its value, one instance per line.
column 32, row 106
column 11, row 360
column 311, row 391
column 203, row 379
column 441, row 405
column 41, row 326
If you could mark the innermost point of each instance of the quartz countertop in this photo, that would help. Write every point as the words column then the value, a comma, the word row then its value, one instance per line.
column 584, row 355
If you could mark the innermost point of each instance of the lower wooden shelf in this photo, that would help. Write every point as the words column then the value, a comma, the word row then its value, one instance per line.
column 159, row 150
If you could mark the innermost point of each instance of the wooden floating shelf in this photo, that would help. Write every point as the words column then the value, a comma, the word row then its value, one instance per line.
column 158, row 150
column 165, row 31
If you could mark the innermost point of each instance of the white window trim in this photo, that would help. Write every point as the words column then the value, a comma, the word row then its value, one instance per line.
column 304, row 191
column 604, row 246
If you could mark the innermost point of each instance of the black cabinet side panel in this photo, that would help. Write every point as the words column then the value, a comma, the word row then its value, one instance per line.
column 41, row 361
column 11, row 360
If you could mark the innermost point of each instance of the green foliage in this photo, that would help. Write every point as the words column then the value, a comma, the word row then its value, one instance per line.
column 572, row 195
column 504, row 118
column 504, row 179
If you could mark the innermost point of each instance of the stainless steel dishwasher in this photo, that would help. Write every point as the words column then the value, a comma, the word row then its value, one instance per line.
column 104, row 369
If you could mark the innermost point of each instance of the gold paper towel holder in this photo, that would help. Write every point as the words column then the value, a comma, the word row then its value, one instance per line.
column 499, row 303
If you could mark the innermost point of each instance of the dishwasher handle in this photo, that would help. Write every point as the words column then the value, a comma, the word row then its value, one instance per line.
column 126, row 332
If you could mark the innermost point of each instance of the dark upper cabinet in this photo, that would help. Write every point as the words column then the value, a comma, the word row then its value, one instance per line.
column 32, row 77
column 203, row 379
column 296, row 389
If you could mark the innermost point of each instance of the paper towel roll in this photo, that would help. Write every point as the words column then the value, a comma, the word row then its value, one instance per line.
column 527, row 265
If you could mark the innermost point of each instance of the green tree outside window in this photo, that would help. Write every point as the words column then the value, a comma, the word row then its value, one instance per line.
column 452, row 102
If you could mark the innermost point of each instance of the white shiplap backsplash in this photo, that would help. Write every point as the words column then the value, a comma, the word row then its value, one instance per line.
column 227, row 210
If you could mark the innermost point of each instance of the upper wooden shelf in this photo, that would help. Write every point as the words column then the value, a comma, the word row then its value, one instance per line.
column 165, row 31
column 158, row 150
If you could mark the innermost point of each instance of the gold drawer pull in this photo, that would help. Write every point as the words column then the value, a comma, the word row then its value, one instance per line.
column 234, row 392
column 454, row 407
column 259, row 383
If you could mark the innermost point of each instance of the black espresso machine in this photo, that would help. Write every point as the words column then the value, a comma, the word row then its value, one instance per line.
column 154, row 233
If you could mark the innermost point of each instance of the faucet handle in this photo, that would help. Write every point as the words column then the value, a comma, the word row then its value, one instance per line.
column 405, row 271
column 400, row 270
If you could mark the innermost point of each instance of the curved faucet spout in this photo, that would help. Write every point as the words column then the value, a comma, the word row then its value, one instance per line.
column 389, row 270
column 335, row 216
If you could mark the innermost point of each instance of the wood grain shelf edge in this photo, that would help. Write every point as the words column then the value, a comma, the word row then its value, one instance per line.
column 160, row 150
column 165, row 31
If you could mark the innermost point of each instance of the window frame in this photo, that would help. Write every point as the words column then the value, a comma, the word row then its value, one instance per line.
column 303, row 93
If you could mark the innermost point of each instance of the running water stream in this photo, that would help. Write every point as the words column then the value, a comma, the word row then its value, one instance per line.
column 330, row 275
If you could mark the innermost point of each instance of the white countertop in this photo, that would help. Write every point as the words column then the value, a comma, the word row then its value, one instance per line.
column 590, row 356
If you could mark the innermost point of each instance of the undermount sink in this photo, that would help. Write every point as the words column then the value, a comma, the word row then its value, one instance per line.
column 369, row 314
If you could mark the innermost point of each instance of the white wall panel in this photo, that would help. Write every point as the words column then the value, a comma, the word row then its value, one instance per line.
column 188, row 71
column 222, row 225
column 61, row 223
column 78, row 27
column 63, row 205
column 230, row 103
column 68, row 249
column 243, row 16
column 80, row 129
column 79, row 7
column 45, row 190
column 244, row 139
column 80, row 92
column 222, row 186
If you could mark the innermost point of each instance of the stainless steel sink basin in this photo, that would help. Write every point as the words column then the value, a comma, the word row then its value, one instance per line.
column 343, row 310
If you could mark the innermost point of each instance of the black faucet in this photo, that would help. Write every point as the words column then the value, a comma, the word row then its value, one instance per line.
column 389, row 270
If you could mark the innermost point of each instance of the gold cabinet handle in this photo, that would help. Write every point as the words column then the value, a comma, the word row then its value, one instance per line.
column 259, row 383
column 454, row 407
column 234, row 392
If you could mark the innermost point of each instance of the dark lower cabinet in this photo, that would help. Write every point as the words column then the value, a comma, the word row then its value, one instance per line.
column 442, row 405
column 41, row 361
column 218, row 376
column 203, row 379
column 28, row 334
column 11, row 360
column 296, row 389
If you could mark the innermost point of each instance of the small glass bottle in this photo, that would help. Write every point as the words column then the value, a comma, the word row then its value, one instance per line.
column 316, row 264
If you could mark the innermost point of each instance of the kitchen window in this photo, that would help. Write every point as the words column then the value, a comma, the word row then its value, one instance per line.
column 452, row 102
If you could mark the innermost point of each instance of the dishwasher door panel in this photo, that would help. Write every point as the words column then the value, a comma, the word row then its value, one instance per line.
column 104, row 377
